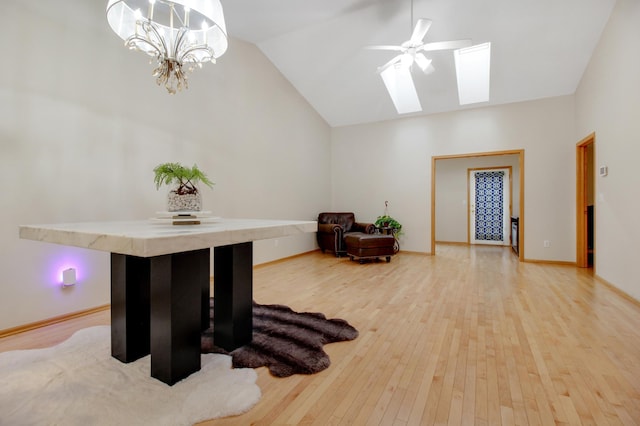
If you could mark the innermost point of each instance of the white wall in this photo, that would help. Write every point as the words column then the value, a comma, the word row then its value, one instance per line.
column 452, row 192
column 608, row 103
column 82, row 124
column 392, row 161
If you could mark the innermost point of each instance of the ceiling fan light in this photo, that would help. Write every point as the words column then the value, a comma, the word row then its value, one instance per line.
column 422, row 62
column 406, row 60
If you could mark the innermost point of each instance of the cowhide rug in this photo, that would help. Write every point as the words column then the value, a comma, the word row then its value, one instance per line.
column 285, row 341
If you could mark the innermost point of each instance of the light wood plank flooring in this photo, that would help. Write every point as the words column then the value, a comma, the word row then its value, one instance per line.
column 467, row 337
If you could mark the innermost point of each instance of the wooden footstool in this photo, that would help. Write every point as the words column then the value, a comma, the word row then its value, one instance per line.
column 367, row 246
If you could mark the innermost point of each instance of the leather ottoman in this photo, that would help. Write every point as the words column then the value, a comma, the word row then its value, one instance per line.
column 365, row 246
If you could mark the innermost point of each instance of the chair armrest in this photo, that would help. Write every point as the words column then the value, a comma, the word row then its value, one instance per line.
column 329, row 228
column 367, row 228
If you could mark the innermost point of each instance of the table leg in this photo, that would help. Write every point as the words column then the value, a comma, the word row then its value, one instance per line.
column 130, row 279
column 204, row 302
column 233, row 295
column 176, row 299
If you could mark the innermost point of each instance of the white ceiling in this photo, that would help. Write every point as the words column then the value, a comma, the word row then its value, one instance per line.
column 539, row 48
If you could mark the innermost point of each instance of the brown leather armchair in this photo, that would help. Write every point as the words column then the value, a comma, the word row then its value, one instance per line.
column 333, row 227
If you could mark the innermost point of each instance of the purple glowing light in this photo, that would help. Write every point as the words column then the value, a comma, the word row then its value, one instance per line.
column 61, row 267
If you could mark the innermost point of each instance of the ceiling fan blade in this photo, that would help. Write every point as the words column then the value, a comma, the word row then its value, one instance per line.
column 444, row 45
column 419, row 31
column 385, row 47
column 390, row 63
column 423, row 62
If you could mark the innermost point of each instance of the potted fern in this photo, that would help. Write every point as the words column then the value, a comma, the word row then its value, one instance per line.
column 185, row 195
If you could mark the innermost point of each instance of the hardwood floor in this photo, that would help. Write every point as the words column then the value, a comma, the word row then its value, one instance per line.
column 469, row 336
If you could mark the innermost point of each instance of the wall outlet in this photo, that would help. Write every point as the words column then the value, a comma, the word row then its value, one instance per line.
column 603, row 170
column 276, row 242
column 547, row 243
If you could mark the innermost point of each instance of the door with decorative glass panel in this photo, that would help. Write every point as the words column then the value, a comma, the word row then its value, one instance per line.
column 490, row 206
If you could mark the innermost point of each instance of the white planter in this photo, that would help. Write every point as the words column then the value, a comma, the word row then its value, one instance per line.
column 185, row 202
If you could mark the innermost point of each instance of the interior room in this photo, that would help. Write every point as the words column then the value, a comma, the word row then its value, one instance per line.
column 291, row 122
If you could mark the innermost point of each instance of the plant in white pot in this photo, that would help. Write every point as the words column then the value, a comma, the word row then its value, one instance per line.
column 185, row 196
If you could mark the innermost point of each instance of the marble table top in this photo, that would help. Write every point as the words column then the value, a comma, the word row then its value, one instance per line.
column 147, row 238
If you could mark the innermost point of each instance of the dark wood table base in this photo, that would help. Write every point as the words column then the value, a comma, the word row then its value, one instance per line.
column 160, row 306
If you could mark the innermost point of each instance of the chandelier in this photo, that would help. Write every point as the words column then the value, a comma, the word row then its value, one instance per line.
column 179, row 35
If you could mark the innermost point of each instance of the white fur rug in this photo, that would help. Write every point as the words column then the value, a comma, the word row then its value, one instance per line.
column 78, row 383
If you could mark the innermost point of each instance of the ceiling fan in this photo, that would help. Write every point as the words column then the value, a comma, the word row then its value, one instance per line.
column 411, row 51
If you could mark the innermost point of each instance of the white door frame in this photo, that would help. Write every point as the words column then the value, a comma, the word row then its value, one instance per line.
column 506, row 215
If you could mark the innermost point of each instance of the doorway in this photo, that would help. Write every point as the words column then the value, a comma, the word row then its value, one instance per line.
column 585, row 202
column 489, row 215
column 519, row 202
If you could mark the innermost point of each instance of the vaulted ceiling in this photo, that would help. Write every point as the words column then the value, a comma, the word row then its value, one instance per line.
column 540, row 48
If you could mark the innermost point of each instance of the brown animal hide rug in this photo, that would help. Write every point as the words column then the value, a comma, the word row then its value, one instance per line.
column 285, row 341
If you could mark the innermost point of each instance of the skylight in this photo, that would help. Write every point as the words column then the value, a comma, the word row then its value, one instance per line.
column 473, row 66
column 401, row 89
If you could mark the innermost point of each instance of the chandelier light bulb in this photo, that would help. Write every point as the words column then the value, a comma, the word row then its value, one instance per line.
column 171, row 46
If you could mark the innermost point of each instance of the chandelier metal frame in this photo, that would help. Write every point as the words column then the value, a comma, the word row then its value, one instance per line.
column 173, row 47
